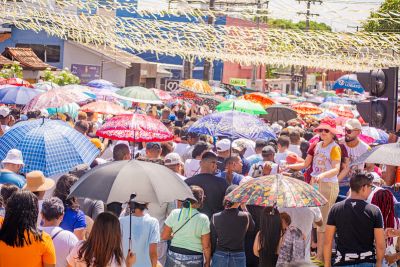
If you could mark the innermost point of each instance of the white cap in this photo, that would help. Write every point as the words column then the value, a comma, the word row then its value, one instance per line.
column 353, row 124
column 14, row 156
column 223, row 145
column 276, row 128
column 172, row 159
column 4, row 111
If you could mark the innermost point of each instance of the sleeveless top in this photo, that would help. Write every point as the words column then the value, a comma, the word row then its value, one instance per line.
column 322, row 160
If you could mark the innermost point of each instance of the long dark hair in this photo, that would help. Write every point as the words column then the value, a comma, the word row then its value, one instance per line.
column 384, row 200
column 62, row 190
column 270, row 235
column 104, row 242
column 20, row 221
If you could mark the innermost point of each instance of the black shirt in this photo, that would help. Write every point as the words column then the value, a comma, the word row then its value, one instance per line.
column 214, row 190
column 220, row 164
column 230, row 226
column 355, row 221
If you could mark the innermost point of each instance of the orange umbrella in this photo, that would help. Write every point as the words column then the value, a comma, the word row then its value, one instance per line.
column 306, row 108
column 260, row 98
column 197, row 86
column 342, row 111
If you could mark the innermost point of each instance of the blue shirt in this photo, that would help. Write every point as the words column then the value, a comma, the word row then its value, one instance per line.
column 7, row 177
column 236, row 177
column 254, row 159
column 145, row 231
column 73, row 219
column 246, row 165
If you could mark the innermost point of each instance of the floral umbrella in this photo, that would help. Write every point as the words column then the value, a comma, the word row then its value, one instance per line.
column 197, row 86
column 136, row 128
column 17, row 82
column 306, row 108
column 186, row 95
column 163, row 95
column 342, row 111
column 104, row 107
column 277, row 190
column 259, row 98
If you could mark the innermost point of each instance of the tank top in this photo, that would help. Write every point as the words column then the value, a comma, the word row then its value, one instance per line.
column 322, row 161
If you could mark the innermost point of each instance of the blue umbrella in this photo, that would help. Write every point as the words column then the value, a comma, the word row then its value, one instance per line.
column 233, row 124
column 50, row 146
column 72, row 109
column 100, row 84
column 348, row 81
column 18, row 95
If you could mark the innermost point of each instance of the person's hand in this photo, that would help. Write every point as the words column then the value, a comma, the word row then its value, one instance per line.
column 267, row 168
column 130, row 258
column 390, row 232
column 316, row 178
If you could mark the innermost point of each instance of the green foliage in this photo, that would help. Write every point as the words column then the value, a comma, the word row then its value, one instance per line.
column 64, row 77
column 13, row 70
column 301, row 25
column 386, row 19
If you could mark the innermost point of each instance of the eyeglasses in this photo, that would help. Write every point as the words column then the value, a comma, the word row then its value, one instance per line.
column 322, row 130
column 348, row 131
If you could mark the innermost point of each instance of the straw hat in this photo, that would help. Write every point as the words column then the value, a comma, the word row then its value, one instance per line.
column 35, row 182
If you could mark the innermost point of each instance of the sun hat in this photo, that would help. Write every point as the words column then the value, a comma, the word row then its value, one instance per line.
column 172, row 159
column 353, row 124
column 14, row 156
column 223, row 145
column 327, row 124
column 4, row 111
column 35, row 181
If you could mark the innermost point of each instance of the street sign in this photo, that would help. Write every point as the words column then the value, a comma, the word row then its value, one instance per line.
column 172, row 85
column 238, row 82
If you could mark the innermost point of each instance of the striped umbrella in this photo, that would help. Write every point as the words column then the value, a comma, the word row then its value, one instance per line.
column 50, row 146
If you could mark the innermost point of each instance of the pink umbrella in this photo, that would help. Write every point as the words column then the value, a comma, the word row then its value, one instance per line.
column 104, row 107
column 136, row 128
column 163, row 95
column 54, row 99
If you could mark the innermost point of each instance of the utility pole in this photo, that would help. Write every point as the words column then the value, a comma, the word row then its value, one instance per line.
column 207, row 71
column 308, row 14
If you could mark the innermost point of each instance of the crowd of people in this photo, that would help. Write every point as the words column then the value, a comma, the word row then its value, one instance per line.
column 42, row 226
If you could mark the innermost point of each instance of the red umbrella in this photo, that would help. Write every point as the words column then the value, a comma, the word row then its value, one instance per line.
column 342, row 111
column 17, row 82
column 135, row 127
column 104, row 107
column 163, row 95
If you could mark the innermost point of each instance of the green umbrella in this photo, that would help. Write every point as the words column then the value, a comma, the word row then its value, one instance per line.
column 138, row 94
column 327, row 93
column 243, row 106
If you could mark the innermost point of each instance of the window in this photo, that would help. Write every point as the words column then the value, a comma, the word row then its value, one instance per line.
column 47, row 53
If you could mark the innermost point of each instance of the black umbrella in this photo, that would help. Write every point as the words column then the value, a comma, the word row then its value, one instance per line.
column 279, row 112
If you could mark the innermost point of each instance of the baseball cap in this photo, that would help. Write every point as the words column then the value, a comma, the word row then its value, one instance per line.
column 151, row 145
column 223, row 145
column 239, row 145
column 14, row 156
column 267, row 150
column 172, row 159
column 4, row 111
column 353, row 124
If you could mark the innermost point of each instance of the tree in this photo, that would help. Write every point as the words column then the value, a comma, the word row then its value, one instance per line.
column 64, row 77
column 13, row 70
column 301, row 25
column 386, row 19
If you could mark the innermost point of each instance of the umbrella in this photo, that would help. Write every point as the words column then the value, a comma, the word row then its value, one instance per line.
column 80, row 89
column 282, row 99
column 116, row 181
column 326, row 93
column 100, row 83
column 259, row 98
column 242, row 105
column 326, row 113
column 387, row 154
column 17, row 82
column 233, row 124
column 138, row 94
column 163, row 95
column 54, row 99
column 104, row 107
column 218, row 90
column 18, row 95
column 135, row 127
column 46, row 86
column 279, row 112
column 282, row 191
column 229, row 97
column 328, row 105
column 186, row 95
column 306, row 108
column 50, row 146
column 72, row 109
column 348, row 81
column 212, row 101
column 342, row 111
column 380, row 136
column 197, row 86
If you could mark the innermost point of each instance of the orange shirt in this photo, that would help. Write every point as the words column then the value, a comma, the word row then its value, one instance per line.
column 33, row 255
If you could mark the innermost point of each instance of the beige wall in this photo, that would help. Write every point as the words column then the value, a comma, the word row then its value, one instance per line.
column 111, row 71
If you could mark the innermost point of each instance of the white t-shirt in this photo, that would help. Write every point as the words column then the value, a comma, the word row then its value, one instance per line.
column 355, row 152
column 295, row 149
column 303, row 218
column 191, row 167
column 281, row 156
column 181, row 148
column 73, row 258
column 63, row 242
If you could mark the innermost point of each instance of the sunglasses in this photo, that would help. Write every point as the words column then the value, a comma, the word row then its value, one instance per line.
column 348, row 131
column 322, row 130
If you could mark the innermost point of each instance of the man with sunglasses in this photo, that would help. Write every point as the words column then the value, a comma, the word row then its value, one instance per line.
column 354, row 147
column 359, row 227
